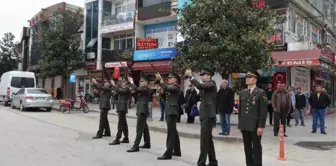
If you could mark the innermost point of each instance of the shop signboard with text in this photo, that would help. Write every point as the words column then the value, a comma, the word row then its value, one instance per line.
column 308, row 62
column 300, row 78
column 155, row 54
column 118, row 22
column 146, row 43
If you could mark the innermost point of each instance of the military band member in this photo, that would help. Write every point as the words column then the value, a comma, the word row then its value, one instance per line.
column 172, row 91
column 252, row 118
column 123, row 92
column 142, row 112
column 208, row 93
column 104, row 106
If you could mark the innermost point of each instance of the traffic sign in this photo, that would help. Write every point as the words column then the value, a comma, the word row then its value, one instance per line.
column 72, row 78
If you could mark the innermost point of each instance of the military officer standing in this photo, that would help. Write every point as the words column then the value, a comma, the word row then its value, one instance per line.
column 172, row 112
column 252, row 118
column 208, row 92
column 142, row 112
column 104, row 106
column 123, row 91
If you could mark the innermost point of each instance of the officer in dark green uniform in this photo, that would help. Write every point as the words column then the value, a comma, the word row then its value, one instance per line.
column 172, row 91
column 208, row 93
column 252, row 118
column 123, row 91
column 144, row 93
column 104, row 106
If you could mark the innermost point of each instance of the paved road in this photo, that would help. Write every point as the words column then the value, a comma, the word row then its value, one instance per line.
column 58, row 139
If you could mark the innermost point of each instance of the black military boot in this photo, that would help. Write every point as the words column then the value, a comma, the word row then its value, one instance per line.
column 115, row 142
column 164, row 157
column 146, row 146
column 125, row 140
column 133, row 149
column 178, row 154
column 97, row 137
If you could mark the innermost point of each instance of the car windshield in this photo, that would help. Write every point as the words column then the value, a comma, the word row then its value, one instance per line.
column 22, row 82
column 37, row 91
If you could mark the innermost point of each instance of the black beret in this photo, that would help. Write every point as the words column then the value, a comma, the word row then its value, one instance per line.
column 207, row 71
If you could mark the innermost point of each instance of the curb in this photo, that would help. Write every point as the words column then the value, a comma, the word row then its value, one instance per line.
column 181, row 134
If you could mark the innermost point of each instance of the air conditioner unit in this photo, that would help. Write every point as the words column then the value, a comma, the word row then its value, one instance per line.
column 90, row 55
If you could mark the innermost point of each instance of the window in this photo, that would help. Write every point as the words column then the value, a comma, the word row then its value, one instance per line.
column 152, row 2
column 166, row 36
column 318, row 4
column 22, row 82
column 124, row 42
column 329, row 6
column 37, row 91
column 120, row 7
column 315, row 35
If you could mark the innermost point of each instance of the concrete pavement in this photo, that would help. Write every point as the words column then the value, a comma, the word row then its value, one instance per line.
column 62, row 139
column 296, row 134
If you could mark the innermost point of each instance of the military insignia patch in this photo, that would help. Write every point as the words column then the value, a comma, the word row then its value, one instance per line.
column 265, row 98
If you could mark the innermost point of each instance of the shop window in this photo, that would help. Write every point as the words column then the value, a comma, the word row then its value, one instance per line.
column 166, row 36
column 124, row 42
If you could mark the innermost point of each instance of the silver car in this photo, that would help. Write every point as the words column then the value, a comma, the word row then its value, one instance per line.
column 32, row 98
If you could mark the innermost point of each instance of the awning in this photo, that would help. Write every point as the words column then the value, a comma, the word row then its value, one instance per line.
column 146, row 66
column 297, row 58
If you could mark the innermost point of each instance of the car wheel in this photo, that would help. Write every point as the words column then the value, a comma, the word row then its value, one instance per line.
column 12, row 105
column 48, row 109
column 22, row 108
column 85, row 109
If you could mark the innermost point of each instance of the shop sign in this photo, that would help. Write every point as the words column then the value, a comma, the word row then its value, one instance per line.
column 310, row 62
column 115, row 64
column 259, row 3
column 146, row 43
column 300, row 78
column 90, row 66
column 156, row 54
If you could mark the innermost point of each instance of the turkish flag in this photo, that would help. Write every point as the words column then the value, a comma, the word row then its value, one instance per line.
column 116, row 73
column 278, row 78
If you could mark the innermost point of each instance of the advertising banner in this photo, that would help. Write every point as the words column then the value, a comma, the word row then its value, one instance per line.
column 156, row 54
column 300, row 77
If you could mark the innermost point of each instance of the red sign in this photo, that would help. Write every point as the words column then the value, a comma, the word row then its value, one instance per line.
column 115, row 64
column 146, row 43
column 116, row 73
column 309, row 62
column 91, row 66
column 259, row 4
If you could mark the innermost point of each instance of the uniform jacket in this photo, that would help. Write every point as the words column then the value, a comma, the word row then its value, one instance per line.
column 172, row 98
column 143, row 93
column 252, row 109
column 123, row 97
column 225, row 100
column 321, row 103
column 104, row 102
column 208, row 93
column 276, row 101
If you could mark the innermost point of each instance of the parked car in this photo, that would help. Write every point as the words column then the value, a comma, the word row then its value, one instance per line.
column 12, row 81
column 32, row 98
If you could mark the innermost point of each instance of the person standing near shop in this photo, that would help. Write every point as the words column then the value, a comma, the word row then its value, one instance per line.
column 252, row 118
column 208, row 93
column 172, row 112
column 269, row 93
column 224, row 105
column 319, row 102
column 142, row 112
column 123, row 92
column 300, row 105
column 191, row 100
column 104, row 106
column 281, row 103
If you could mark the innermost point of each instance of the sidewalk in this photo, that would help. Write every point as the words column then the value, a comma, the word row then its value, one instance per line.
column 297, row 134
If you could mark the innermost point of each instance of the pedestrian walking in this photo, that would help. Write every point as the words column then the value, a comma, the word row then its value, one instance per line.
column 292, row 110
column 300, row 105
column 123, row 92
column 252, row 118
column 208, row 93
column 142, row 112
column 224, row 105
column 269, row 93
column 172, row 112
column 191, row 101
column 281, row 103
column 319, row 102
column 104, row 106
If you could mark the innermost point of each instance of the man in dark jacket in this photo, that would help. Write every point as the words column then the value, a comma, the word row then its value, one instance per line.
column 269, row 93
column 104, row 106
column 300, row 105
column 224, row 104
column 319, row 102
column 191, row 100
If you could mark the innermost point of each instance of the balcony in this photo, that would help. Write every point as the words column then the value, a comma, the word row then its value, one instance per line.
column 117, row 22
column 161, row 9
column 117, row 55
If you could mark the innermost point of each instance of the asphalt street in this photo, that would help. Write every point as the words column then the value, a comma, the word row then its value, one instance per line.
column 61, row 139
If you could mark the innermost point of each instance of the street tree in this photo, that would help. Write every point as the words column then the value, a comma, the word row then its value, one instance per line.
column 60, row 44
column 9, row 53
column 226, row 36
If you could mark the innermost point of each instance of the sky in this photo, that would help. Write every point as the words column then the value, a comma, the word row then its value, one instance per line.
column 15, row 13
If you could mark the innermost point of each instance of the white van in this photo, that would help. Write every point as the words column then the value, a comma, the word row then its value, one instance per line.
column 13, row 81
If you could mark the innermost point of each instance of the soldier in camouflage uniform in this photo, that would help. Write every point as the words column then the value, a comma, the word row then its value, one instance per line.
column 252, row 118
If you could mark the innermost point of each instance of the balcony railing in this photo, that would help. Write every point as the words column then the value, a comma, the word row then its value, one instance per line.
column 117, row 55
column 154, row 11
column 117, row 22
